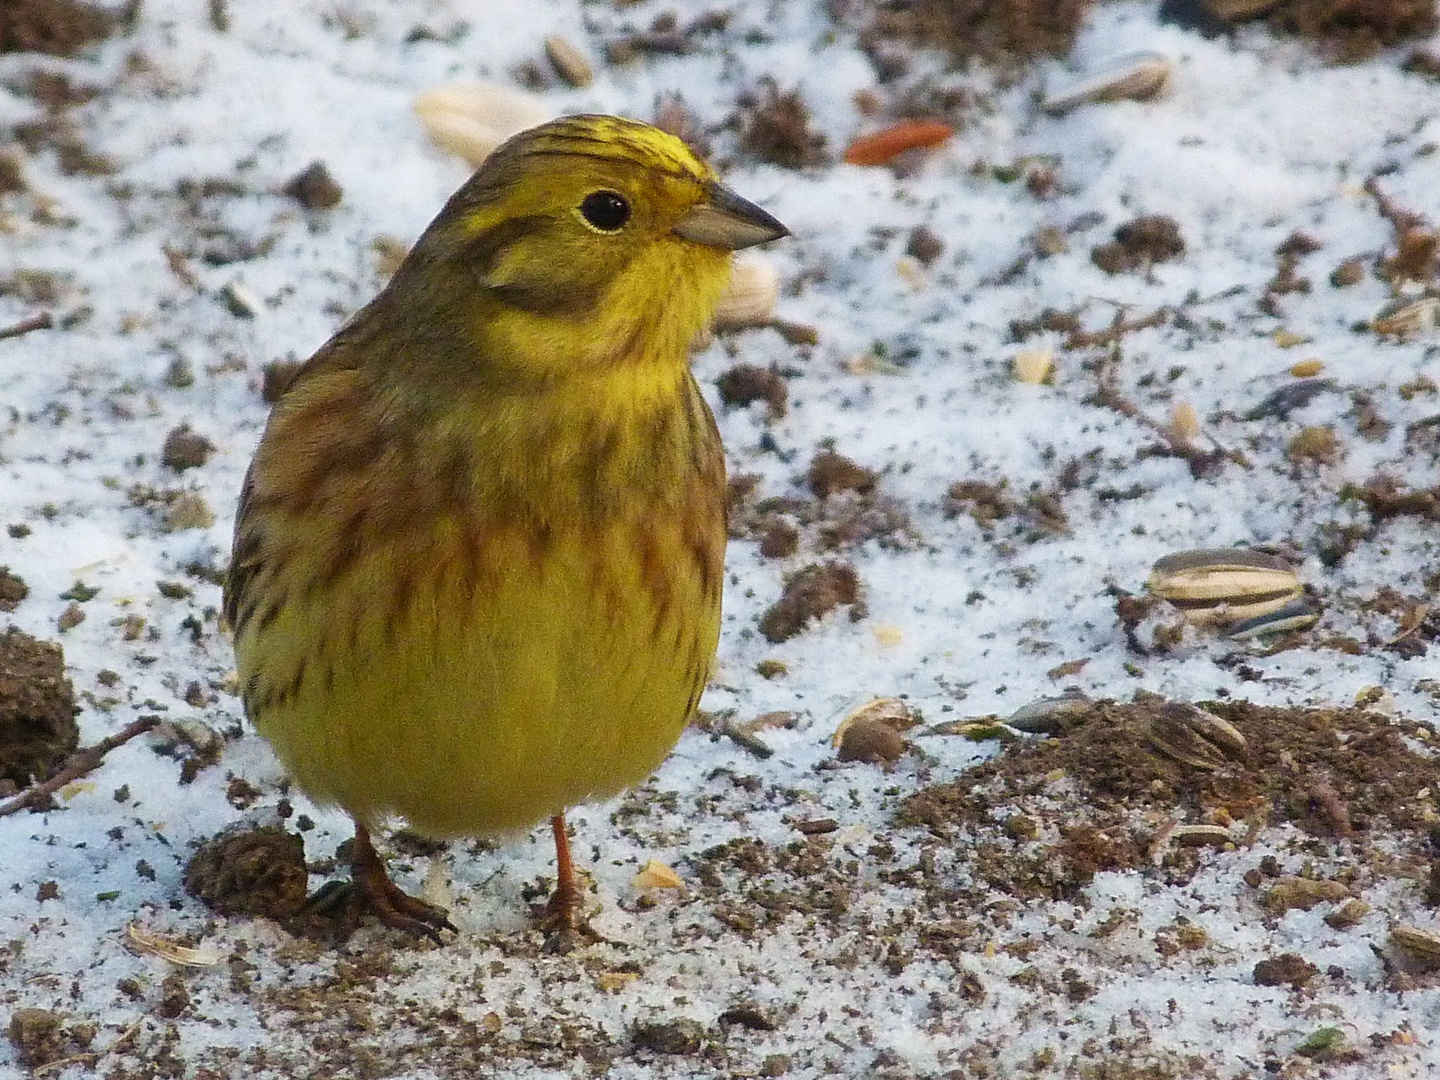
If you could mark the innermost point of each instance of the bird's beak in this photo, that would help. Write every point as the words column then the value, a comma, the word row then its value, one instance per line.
column 725, row 220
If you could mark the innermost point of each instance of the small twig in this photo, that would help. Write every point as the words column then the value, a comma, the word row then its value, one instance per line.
column 745, row 739
column 1400, row 219
column 77, row 765
column 43, row 321
column 1118, row 328
column 1107, row 394
column 59, row 1063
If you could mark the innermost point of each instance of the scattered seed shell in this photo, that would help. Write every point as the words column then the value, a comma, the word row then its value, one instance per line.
column 146, row 943
column 750, row 297
column 1347, row 914
column 1299, row 614
column 1184, row 422
column 1421, row 944
column 1034, row 366
column 1194, row 737
column 473, row 118
column 1222, row 586
column 1202, row 836
column 568, row 61
column 890, row 711
column 1136, row 77
column 1408, row 320
column 1050, row 716
column 1302, row 893
column 656, row 875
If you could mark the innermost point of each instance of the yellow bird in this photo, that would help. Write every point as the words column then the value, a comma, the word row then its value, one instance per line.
column 478, row 555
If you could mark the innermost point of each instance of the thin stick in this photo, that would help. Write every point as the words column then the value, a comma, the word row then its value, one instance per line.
column 43, row 321
column 1108, row 395
column 77, row 765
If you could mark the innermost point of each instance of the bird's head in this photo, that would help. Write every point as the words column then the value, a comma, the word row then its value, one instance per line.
column 589, row 240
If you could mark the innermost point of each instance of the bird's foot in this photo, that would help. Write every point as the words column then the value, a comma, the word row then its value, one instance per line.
column 371, row 890
column 562, row 920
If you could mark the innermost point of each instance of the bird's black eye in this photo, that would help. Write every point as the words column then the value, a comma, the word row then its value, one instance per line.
column 605, row 210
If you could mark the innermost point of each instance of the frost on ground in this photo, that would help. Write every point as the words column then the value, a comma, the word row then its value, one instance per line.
column 1008, row 373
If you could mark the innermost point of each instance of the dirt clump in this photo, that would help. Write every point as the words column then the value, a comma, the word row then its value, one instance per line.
column 775, row 127
column 12, row 589
column 41, row 1037
column 1138, row 244
column 746, row 383
column 809, row 594
column 830, row 472
column 185, row 449
column 1097, row 790
column 37, row 710
column 57, row 27
column 1351, row 30
column 250, row 871
column 994, row 31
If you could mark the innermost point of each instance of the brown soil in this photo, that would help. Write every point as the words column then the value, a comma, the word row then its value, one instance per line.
column 809, row 594
column 987, row 30
column 58, row 27
column 251, row 872
column 12, row 589
column 1149, row 239
column 775, row 127
column 37, row 709
column 746, row 383
column 1351, row 30
column 1096, row 796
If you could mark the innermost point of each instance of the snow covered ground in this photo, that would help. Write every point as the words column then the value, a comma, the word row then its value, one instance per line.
column 819, row 930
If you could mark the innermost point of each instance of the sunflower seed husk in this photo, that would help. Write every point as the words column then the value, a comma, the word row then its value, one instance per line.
column 473, row 118
column 1237, row 10
column 568, row 61
column 751, row 295
column 1410, row 319
column 1048, row 716
column 1136, row 76
column 1202, row 836
column 1194, row 737
column 1298, row 614
column 1421, row 944
column 1217, row 586
column 1303, row 893
column 147, row 943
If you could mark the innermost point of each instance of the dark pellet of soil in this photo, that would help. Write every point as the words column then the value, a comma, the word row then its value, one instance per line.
column 809, row 594
column 314, row 188
column 37, row 709
column 250, row 872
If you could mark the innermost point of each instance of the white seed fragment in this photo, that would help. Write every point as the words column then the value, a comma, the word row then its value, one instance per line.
column 473, row 118
column 1184, row 422
column 568, row 61
column 750, row 297
column 1136, row 76
column 239, row 301
column 1034, row 366
column 656, row 875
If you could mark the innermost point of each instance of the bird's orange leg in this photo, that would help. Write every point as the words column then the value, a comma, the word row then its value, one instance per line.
column 564, row 906
column 391, row 905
